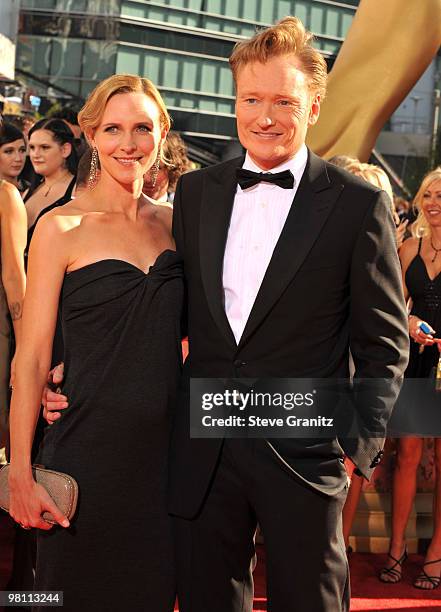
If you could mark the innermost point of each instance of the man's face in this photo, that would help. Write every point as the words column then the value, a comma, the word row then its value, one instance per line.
column 274, row 108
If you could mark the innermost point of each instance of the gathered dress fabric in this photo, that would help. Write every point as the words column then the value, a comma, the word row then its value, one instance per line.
column 123, row 356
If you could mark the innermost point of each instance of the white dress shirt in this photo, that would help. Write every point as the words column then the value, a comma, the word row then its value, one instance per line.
column 258, row 216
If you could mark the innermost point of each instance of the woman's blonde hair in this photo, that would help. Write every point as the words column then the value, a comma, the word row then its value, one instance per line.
column 287, row 37
column 421, row 226
column 372, row 174
column 90, row 115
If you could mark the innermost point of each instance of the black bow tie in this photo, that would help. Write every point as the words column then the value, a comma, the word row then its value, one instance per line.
column 246, row 178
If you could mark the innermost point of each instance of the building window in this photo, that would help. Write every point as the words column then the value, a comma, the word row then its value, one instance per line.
column 129, row 60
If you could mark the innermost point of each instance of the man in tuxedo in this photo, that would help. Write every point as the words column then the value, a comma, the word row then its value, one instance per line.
column 283, row 279
column 289, row 262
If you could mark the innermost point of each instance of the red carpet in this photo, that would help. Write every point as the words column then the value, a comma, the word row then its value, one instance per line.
column 368, row 593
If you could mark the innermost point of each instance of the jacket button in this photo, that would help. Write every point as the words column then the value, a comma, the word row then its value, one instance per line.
column 238, row 363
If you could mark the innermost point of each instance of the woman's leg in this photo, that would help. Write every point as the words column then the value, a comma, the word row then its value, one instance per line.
column 350, row 507
column 404, row 487
column 434, row 550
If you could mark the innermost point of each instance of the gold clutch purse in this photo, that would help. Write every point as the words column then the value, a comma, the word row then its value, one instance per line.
column 62, row 488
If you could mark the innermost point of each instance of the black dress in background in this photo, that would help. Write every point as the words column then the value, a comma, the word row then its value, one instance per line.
column 63, row 200
column 426, row 305
column 416, row 412
column 57, row 348
column 122, row 365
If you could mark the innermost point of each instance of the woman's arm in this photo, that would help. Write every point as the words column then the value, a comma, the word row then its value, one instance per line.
column 47, row 264
column 407, row 254
column 13, row 228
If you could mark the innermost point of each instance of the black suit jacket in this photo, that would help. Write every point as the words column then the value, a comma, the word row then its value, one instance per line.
column 334, row 271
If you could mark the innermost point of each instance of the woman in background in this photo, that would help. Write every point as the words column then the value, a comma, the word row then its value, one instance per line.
column 12, row 155
column 54, row 160
column 161, row 185
column 12, row 284
column 377, row 176
column 421, row 265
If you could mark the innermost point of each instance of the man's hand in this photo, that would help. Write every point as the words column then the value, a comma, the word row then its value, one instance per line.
column 53, row 401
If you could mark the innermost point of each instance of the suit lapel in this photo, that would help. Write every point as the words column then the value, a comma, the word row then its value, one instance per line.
column 312, row 204
column 217, row 199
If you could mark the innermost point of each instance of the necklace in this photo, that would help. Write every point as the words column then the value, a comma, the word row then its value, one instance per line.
column 435, row 249
column 54, row 183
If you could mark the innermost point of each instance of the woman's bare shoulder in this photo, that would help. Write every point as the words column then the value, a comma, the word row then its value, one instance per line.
column 7, row 187
column 410, row 246
column 69, row 215
column 60, row 220
column 9, row 194
column 408, row 250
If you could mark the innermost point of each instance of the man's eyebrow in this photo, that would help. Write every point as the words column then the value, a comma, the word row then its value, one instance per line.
column 117, row 123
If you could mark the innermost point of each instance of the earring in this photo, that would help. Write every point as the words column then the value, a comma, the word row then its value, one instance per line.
column 93, row 169
column 154, row 171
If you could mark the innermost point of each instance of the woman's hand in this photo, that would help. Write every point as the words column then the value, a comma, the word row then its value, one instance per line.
column 400, row 232
column 28, row 501
column 417, row 334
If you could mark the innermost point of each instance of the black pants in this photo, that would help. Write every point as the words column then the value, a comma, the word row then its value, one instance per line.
column 306, row 562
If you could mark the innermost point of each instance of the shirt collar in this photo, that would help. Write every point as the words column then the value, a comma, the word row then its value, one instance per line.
column 296, row 164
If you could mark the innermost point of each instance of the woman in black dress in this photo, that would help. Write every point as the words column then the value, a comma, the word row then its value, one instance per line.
column 421, row 264
column 54, row 160
column 108, row 257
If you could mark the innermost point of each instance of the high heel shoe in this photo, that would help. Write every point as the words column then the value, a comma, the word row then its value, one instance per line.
column 392, row 574
column 434, row 581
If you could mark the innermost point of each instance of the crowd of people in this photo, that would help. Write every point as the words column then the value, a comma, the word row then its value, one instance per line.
column 113, row 285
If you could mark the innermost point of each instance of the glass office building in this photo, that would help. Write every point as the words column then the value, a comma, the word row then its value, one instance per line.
column 182, row 45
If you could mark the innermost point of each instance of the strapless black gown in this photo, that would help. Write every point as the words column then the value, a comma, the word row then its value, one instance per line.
column 122, row 365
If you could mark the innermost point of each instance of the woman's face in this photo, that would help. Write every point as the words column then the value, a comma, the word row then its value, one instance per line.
column 431, row 203
column 12, row 159
column 128, row 137
column 47, row 155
